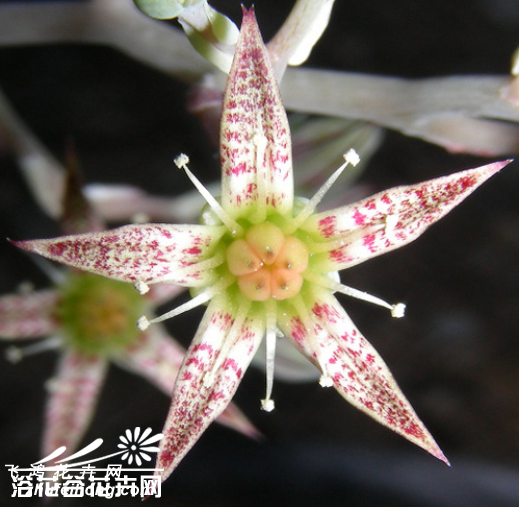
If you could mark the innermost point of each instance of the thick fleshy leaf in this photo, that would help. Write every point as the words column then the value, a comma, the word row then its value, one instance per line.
column 28, row 315
column 73, row 394
column 390, row 219
column 357, row 371
column 149, row 253
column 255, row 144
column 157, row 357
column 304, row 26
column 208, row 378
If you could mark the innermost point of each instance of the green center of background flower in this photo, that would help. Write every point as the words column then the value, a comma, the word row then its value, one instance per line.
column 267, row 263
column 98, row 315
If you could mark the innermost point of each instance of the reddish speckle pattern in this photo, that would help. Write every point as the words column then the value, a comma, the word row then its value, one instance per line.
column 75, row 390
column 28, row 315
column 194, row 404
column 327, row 226
column 358, row 372
column 392, row 218
column 148, row 253
column 252, row 110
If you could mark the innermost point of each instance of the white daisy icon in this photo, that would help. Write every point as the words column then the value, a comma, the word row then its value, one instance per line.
column 136, row 446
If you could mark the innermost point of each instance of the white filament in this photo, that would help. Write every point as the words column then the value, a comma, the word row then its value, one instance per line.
column 15, row 354
column 396, row 310
column 267, row 403
column 181, row 162
column 351, row 158
column 200, row 299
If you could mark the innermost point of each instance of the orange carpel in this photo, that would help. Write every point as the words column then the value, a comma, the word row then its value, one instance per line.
column 268, row 264
column 241, row 259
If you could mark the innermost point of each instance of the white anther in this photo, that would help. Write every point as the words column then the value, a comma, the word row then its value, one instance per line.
column 141, row 287
column 181, row 160
column 143, row 323
column 326, row 381
column 13, row 354
column 352, row 157
column 267, row 405
column 398, row 310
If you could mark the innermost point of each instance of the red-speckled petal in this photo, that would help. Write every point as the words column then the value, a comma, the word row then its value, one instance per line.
column 158, row 357
column 255, row 143
column 194, row 404
column 390, row 219
column 73, row 394
column 357, row 371
column 149, row 253
column 28, row 315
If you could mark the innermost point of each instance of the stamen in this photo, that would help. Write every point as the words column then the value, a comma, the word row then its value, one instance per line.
column 228, row 342
column 352, row 158
column 267, row 404
column 15, row 354
column 181, row 162
column 396, row 310
column 200, row 299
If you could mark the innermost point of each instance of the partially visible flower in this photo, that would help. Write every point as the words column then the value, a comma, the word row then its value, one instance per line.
column 92, row 320
column 267, row 264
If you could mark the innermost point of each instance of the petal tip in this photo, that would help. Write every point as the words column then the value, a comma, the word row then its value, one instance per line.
column 437, row 453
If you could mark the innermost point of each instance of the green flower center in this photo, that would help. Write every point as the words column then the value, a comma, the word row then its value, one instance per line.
column 98, row 315
column 267, row 263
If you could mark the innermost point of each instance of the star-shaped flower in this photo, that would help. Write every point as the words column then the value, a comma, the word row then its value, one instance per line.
column 92, row 320
column 267, row 264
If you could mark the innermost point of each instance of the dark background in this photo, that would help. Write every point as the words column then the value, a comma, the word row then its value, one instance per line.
column 455, row 354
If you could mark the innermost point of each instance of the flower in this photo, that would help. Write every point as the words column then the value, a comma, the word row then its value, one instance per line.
column 136, row 446
column 267, row 264
column 92, row 320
